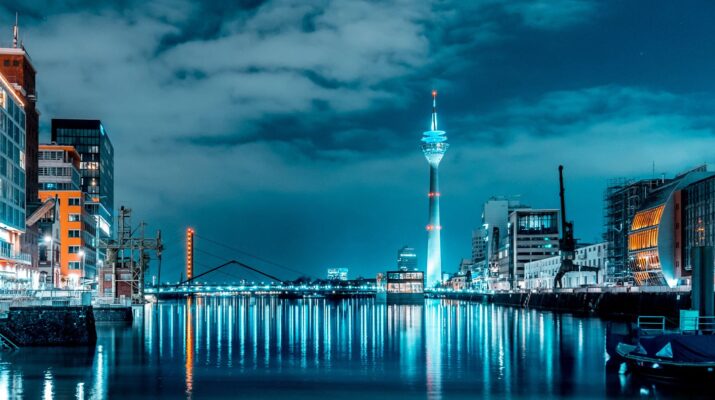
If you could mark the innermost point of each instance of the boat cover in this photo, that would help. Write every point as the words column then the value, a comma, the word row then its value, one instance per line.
column 679, row 348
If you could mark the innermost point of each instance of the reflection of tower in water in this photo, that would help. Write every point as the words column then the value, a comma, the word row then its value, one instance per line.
column 189, row 347
column 433, row 349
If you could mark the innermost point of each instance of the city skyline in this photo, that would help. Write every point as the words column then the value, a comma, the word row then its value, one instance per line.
column 525, row 90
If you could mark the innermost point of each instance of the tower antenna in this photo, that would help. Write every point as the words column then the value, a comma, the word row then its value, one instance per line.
column 434, row 110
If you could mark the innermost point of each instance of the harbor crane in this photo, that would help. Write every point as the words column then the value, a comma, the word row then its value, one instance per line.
column 567, row 243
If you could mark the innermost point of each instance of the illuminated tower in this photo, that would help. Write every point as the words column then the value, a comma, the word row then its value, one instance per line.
column 434, row 145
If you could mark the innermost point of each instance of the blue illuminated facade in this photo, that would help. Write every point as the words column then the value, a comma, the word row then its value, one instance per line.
column 434, row 145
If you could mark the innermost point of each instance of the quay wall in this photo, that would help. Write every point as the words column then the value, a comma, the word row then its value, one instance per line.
column 613, row 305
column 113, row 314
column 50, row 326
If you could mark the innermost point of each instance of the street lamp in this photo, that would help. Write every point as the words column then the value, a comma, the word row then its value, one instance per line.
column 48, row 239
column 82, row 277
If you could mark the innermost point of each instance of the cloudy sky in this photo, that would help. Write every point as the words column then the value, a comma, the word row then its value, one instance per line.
column 290, row 129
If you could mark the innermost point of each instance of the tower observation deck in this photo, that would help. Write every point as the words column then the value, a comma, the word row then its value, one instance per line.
column 434, row 145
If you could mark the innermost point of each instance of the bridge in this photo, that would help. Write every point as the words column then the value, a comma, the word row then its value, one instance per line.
column 276, row 289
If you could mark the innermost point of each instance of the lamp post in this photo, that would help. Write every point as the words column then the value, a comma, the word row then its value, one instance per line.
column 49, row 240
column 82, row 277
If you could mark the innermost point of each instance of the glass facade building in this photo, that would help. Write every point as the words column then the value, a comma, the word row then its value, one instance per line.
column 92, row 142
column 12, row 163
column 16, row 270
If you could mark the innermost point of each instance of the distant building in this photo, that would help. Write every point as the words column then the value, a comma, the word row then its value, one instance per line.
column 91, row 140
column 404, row 286
column 16, row 269
column 407, row 259
column 533, row 235
column 479, row 244
column 540, row 274
column 337, row 274
column 59, row 172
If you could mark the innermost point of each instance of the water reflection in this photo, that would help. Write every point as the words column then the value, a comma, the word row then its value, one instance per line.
column 268, row 347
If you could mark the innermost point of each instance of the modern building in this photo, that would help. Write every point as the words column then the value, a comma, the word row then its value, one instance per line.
column 622, row 199
column 405, row 286
column 533, row 235
column 91, row 140
column 661, row 234
column 337, row 274
column 407, row 259
column 434, row 145
column 480, row 240
column 540, row 274
column 60, row 180
column 19, row 73
column 16, row 269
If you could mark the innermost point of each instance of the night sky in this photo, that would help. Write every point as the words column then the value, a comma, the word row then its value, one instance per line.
column 291, row 130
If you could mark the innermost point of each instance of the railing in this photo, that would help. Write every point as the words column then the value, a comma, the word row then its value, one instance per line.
column 651, row 323
column 698, row 324
column 23, row 257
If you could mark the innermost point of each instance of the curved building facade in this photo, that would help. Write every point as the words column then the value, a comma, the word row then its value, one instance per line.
column 656, row 234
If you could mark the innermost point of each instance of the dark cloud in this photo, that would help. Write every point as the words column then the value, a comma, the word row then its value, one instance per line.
column 292, row 128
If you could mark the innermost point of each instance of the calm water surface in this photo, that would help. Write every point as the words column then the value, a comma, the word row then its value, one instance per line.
column 271, row 348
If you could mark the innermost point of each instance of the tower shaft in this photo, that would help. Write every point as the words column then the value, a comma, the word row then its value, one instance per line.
column 434, row 248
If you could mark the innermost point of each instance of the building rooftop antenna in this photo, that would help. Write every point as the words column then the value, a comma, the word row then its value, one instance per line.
column 15, row 32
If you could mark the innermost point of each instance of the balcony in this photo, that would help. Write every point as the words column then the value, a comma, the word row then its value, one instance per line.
column 22, row 258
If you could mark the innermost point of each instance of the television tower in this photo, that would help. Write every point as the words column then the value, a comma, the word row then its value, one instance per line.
column 434, row 145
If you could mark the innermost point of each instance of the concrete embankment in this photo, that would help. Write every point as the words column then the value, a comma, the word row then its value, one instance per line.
column 113, row 314
column 49, row 326
column 605, row 304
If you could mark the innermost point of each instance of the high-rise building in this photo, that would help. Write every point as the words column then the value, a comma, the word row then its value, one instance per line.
column 17, row 68
column 92, row 142
column 407, row 259
column 434, row 145
column 16, row 269
column 60, row 180
column 19, row 71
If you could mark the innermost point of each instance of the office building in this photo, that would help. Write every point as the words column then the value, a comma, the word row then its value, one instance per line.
column 533, row 235
column 19, row 72
column 434, row 145
column 91, row 140
column 60, row 180
column 540, row 274
column 16, row 269
column 407, row 259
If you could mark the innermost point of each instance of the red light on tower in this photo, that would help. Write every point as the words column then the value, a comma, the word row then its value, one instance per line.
column 189, row 253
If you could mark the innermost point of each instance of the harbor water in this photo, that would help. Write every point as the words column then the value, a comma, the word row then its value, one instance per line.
column 265, row 347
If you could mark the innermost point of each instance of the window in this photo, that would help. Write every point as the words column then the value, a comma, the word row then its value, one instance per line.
column 74, row 201
column 73, row 249
column 74, row 265
column 74, row 233
column 74, row 217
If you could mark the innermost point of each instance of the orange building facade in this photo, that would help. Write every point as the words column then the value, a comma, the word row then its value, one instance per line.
column 59, row 179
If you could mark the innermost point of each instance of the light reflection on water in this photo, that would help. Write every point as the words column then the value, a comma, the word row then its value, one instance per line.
column 268, row 347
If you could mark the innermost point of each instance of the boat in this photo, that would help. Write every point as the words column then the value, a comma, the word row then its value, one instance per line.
column 651, row 350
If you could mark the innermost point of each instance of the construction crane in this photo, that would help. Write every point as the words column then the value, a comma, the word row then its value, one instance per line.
column 567, row 243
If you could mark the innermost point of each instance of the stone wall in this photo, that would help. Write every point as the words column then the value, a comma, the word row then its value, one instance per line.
column 50, row 326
